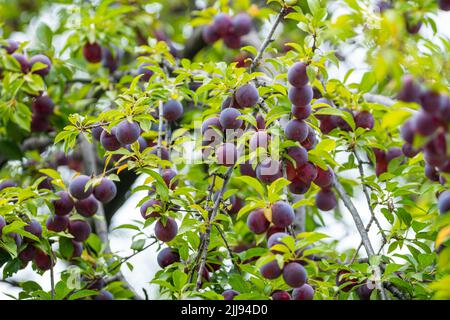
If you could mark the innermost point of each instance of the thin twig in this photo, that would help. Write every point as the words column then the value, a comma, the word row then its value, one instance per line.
column 267, row 40
column 204, row 251
column 230, row 252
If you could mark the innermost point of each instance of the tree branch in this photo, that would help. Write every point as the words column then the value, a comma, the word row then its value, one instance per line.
column 362, row 231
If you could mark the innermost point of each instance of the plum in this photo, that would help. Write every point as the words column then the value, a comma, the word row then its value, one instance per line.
column 305, row 292
column 229, row 294
column 87, row 207
column 247, row 95
column 105, row 191
column 257, row 222
column 270, row 270
column 166, row 232
column 92, row 52
column 57, row 223
column 294, row 274
column 79, row 229
column 300, row 96
column 64, row 204
column 282, row 214
column 127, row 132
column 297, row 76
column 326, row 200
column 168, row 256
column 44, row 60
column 77, row 187
column 172, row 110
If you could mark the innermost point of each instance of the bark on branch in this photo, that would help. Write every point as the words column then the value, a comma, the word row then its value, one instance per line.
column 363, row 233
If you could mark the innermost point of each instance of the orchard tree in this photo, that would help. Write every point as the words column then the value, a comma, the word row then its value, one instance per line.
column 252, row 125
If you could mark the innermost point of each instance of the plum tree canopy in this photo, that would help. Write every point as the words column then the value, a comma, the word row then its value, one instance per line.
column 256, row 127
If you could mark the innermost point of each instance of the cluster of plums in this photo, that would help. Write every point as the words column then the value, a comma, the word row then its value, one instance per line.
column 292, row 271
column 229, row 29
column 42, row 105
column 429, row 124
column 83, row 200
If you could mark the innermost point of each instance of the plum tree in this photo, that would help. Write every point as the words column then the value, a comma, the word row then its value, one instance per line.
column 270, row 270
column 282, row 214
column 294, row 274
column 57, row 223
column 92, row 52
column 296, row 130
column 280, row 295
column 152, row 203
column 232, row 41
column 64, row 204
column 297, row 76
column 127, row 132
column 166, row 231
column 172, row 110
column 229, row 119
column 164, row 153
column 229, row 294
column 105, row 191
column 79, row 229
column 257, row 221
column 78, row 188
column 41, row 59
column 87, row 207
column 247, row 95
column 168, row 256
column 305, row 292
